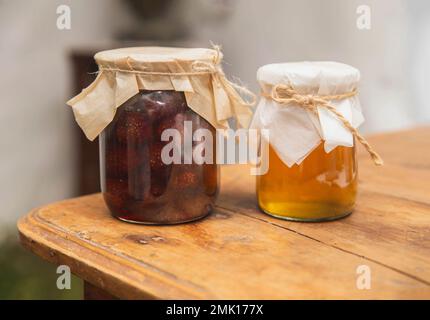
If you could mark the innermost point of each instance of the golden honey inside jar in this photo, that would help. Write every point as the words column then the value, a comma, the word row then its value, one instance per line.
column 310, row 155
column 322, row 187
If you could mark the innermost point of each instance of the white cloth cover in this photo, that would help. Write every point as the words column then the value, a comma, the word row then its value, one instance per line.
column 295, row 132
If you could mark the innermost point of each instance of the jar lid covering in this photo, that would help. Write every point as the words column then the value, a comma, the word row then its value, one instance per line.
column 298, row 123
column 156, row 54
column 196, row 72
column 325, row 76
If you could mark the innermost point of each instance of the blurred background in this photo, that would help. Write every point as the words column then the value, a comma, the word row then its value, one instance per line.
column 45, row 157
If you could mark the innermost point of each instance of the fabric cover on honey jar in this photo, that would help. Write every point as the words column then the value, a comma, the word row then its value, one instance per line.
column 296, row 131
column 196, row 72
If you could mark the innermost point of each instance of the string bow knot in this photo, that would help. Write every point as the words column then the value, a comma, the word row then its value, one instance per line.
column 286, row 94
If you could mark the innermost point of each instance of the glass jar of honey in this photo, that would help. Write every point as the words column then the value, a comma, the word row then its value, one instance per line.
column 310, row 111
column 156, row 111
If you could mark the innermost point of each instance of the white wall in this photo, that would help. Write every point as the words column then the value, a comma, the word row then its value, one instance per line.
column 35, row 124
column 392, row 56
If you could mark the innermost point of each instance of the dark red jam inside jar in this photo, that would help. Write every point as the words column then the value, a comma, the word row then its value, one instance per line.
column 136, row 184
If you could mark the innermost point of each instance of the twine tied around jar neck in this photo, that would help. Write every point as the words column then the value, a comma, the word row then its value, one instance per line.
column 285, row 94
column 199, row 68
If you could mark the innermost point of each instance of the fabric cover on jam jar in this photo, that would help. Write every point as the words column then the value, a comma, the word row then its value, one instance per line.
column 140, row 93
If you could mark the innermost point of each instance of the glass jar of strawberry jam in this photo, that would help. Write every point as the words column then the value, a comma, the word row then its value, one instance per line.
column 137, row 186
column 310, row 112
column 156, row 111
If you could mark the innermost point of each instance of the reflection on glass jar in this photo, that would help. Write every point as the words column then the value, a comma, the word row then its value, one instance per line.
column 137, row 185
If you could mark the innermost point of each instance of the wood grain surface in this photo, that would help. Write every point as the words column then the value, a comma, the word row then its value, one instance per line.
column 239, row 252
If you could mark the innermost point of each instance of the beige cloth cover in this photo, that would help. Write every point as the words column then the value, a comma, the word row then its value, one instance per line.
column 196, row 72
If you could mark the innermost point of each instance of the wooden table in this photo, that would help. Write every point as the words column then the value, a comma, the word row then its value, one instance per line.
column 238, row 252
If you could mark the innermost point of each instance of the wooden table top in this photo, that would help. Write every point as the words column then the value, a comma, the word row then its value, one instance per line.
column 240, row 253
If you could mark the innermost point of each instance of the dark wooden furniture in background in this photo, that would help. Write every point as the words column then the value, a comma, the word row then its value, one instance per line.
column 87, row 156
column 239, row 252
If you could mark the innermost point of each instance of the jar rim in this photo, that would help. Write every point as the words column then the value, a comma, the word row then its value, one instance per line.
column 155, row 54
column 309, row 74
